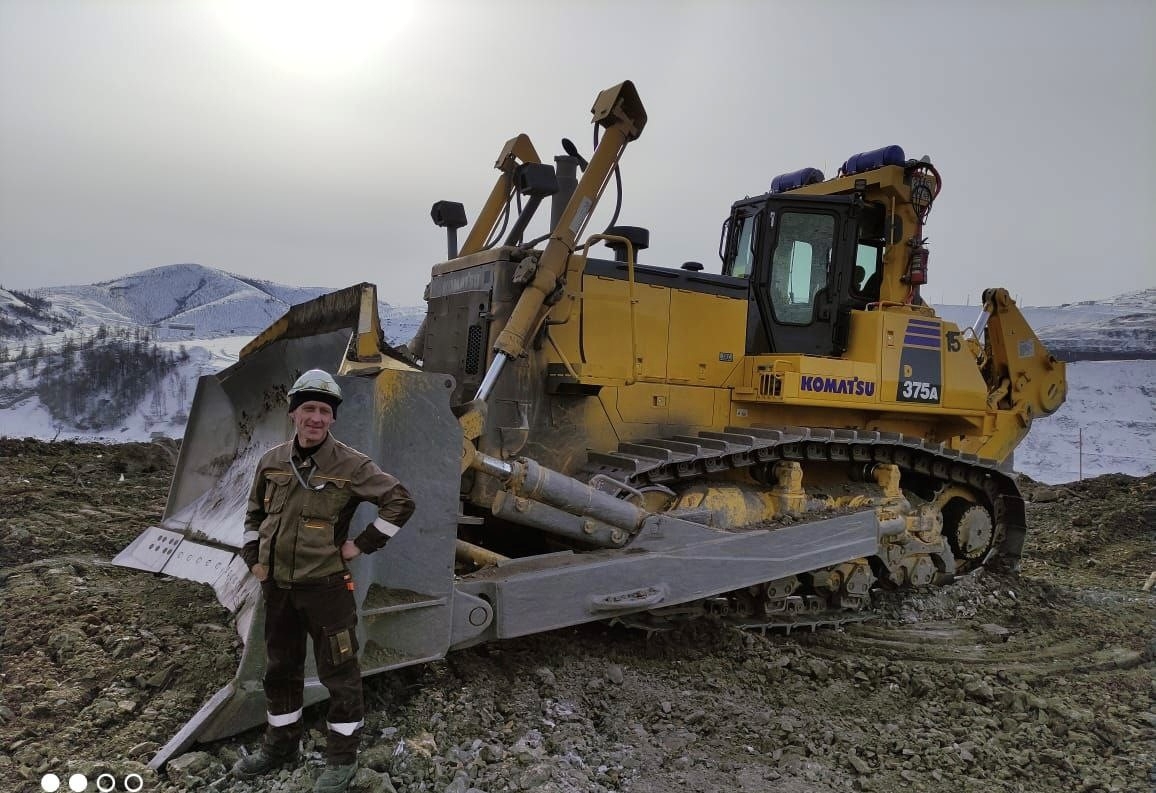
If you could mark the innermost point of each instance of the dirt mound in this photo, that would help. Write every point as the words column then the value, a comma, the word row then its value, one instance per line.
column 1108, row 523
column 1036, row 682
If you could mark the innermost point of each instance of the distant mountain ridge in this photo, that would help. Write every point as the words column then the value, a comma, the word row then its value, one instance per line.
column 202, row 302
column 183, row 293
column 1120, row 328
column 1132, row 330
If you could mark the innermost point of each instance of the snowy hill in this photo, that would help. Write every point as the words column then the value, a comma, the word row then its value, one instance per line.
column 198, row 319
column 23, row 315
column 197, row 301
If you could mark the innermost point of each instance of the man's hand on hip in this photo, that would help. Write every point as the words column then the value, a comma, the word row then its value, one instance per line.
column 349, row 550
column 260, row 571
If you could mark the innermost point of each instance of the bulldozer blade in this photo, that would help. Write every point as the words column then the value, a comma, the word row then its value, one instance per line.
column 397, row 415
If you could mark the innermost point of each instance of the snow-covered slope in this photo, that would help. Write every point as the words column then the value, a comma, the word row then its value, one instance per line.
column 23, row 316
column 164, row 411
column 1107, row 425
column 400, row 323
column 11, row 301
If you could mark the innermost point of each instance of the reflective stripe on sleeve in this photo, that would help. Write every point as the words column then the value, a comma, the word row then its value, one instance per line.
column 284, row 719
column 344, row 727
column 385, row 527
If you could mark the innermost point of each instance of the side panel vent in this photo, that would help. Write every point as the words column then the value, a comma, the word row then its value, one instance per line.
column 770, row 384
column 473, row 349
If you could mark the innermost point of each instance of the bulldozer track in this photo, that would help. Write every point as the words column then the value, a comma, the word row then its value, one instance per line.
column 927, row 465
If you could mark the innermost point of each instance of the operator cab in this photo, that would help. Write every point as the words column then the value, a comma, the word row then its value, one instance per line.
column 809, row 261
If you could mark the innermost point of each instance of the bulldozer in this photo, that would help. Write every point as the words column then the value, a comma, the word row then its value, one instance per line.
column 592, row 438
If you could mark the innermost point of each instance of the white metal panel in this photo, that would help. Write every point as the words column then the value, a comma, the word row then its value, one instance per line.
column 150, row 551
column 198, row 562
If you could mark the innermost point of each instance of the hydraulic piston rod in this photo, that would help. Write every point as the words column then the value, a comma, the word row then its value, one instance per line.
column 528, row 479
column 491, row 377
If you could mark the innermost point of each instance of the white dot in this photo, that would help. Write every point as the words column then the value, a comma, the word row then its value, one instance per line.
column 78, row 783
column 50, row 783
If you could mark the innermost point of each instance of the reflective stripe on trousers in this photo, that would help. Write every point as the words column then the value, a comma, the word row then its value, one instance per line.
column 284, row 719
column 345, row 728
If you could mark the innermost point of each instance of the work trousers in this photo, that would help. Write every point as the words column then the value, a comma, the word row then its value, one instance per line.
column 327, row 614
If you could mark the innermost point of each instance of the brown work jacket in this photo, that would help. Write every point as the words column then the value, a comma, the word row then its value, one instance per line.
column 297, row 531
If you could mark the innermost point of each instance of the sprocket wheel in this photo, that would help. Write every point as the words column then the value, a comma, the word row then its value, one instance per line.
column 968, row 526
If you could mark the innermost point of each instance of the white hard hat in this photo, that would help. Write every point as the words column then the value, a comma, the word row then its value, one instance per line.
column 316, row 384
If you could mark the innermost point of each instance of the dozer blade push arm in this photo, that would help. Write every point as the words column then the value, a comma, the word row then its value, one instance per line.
column 1023, row 377
column 620, row 112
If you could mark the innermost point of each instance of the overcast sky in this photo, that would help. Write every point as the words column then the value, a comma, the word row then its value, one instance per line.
column 304, row 142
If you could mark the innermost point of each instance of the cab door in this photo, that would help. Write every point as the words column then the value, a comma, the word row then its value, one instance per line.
column 795, row 283
column 798, row 254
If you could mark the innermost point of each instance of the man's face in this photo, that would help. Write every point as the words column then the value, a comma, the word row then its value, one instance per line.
column 311, row 420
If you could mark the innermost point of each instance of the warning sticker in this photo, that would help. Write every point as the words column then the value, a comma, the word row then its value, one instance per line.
column 580, row 217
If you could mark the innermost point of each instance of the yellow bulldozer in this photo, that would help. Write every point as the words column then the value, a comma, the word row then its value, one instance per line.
column 594, row 438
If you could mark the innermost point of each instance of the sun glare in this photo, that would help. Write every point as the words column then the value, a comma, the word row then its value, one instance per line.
column 317, row 38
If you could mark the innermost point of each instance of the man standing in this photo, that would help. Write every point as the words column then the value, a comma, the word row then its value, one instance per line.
column 296, row 543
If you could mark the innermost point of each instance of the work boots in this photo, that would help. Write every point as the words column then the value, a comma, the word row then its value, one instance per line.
column 335, row 778
column 262, row 761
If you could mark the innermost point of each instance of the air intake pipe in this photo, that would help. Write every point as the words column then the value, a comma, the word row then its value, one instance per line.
column 566, row 168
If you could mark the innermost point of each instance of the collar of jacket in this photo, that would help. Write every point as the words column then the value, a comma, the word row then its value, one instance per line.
column 322, row 458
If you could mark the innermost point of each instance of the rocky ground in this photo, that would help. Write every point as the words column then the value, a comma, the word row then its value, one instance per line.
column 1036, row 682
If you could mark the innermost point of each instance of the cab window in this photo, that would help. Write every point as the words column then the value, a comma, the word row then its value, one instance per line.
column 800, row 265
column 868, row 271
column 744, row 255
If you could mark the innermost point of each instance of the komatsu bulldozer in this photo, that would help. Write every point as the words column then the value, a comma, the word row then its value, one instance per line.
column 591, row 438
